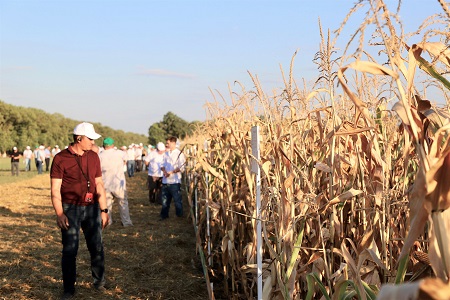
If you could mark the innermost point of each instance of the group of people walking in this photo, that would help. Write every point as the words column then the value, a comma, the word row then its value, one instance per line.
column 85, row 180
column 41, row 156
column 134, row 154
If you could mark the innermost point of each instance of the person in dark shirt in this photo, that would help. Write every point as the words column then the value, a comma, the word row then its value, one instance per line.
column 15, row 158
column 78, row 197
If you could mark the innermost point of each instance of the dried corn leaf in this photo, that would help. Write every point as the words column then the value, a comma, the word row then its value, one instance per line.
column 340, row 271
column 418, row 212
column 437, row 49
column 315, row 92
column 267, row 287
column 289, row 181
column 439, row 252
column 208, row 168
column 412, row 67
column 430, row 288
column 365, row 241
column 372, row 68
column 266, row 167
column 401, row 112
column 313, row 257
column 348, row 258
column 437, row 181
column 253, row 268
column 341, row 198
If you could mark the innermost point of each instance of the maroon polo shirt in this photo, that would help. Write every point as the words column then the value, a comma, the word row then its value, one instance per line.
column 74, row 184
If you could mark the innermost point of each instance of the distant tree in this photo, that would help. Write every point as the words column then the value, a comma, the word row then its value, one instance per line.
column 171, row 125
column 193, row 126
column 156, row 134
column 174, row 125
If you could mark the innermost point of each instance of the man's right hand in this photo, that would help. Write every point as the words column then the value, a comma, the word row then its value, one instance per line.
column 62, row 222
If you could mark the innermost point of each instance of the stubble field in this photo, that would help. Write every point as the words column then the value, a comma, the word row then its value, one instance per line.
column 151, row 260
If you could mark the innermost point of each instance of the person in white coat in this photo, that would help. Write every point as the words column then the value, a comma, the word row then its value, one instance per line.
column 111, row 161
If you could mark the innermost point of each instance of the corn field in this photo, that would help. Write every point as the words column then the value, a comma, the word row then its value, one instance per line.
column 355, row 173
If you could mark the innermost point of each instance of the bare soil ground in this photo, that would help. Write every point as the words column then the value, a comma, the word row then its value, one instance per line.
column 151, row 260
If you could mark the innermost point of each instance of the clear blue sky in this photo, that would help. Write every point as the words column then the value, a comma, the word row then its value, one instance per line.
column 125, row 63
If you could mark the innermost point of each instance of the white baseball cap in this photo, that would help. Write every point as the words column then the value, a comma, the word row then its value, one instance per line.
column 161, row 147
column 86, row 129
column 14, row 148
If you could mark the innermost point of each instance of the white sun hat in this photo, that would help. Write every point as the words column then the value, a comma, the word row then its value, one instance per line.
column 160, row 146
column 86, row 129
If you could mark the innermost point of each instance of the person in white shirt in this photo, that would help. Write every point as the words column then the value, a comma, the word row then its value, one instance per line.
column 111, row 161
column 40, row 159
column 36, row 155
column 154, row 161
column 28, row 155
column 48, row 155
column 125, row 158
column 172, row 167
column 55, row 150
column 138, row 157
column 131, row 162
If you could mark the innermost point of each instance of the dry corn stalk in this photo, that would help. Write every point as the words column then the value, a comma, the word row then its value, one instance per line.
column 334, row 179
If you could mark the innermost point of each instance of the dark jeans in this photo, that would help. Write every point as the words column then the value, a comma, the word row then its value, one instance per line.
column 169, row 192
column 47, row 163
column 138, row 165
column 89, row 220
column 131, row 165
column 154, row 189
column 39, row 166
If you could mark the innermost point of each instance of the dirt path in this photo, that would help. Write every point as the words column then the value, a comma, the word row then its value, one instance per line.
column 151, row 260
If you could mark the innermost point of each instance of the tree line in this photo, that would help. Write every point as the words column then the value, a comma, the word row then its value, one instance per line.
column 24, row 126
column 171, row 125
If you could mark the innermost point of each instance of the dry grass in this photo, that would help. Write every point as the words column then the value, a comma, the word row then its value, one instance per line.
column 151, row 260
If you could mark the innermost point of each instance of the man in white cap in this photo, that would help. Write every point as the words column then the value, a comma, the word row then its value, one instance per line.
column 112, row 163
column 28, row 155
column 40, row 159
column 78, row 197
column 154, row 162
column 15, row 158
column 55, row 150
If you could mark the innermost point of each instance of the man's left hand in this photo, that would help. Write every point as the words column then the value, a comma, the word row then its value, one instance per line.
column 105, row 220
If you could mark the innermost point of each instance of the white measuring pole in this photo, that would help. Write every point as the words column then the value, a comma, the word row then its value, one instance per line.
column 196, row 202
column 256, row 170
column 208, row 229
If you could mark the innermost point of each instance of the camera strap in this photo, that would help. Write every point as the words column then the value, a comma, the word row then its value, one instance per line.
column 79, row 165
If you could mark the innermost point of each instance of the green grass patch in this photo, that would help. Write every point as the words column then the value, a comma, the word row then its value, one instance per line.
column 5, row 171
